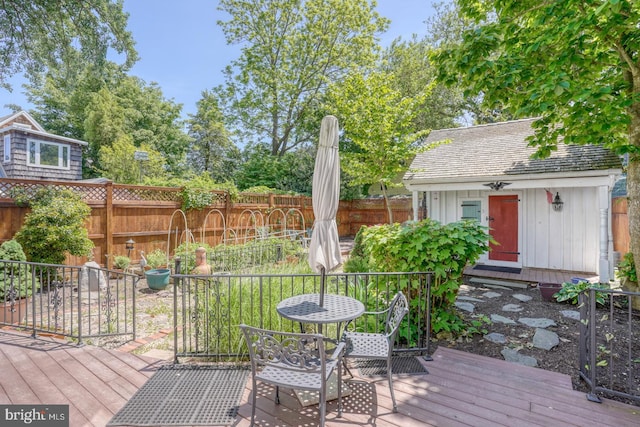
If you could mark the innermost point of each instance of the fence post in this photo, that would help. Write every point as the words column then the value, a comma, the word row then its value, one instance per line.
column 593, row 359
column 108, row 226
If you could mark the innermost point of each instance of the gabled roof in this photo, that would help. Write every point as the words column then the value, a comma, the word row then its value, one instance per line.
column 9, row 123
column 12, row 117
column 501, row 149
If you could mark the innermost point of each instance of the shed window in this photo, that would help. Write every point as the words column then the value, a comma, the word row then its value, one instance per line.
column 471, row 209
column 6, row 157
column 48, row 154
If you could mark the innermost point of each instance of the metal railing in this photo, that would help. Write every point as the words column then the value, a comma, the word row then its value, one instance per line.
column 610, row 343
column 209, row 309
column 68, row 301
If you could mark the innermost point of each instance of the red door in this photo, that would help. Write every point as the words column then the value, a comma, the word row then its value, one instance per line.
column 503, row 223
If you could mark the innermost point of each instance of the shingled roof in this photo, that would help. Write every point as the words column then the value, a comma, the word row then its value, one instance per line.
column 501, row 149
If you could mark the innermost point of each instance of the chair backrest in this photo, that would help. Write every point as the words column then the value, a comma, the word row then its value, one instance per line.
column 284, row 350
column 398, row 308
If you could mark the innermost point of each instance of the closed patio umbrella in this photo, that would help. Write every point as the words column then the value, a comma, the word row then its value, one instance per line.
column 324, row 249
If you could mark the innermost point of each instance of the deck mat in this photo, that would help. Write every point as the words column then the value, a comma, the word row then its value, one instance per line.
column 185, row 395
column 399, row 365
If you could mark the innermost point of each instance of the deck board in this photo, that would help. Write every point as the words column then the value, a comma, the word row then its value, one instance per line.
column 461, row 389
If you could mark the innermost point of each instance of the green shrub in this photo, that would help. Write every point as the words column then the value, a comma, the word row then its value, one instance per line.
column 156, row 258
column 121, row 262
column 15, row 277
column 627, row 269
column 358, row 260
column 55, row 226
column 428, row 246
column 570, row 292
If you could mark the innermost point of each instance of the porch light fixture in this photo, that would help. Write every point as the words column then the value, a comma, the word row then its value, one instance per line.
column 497, row 186
column 557, row 203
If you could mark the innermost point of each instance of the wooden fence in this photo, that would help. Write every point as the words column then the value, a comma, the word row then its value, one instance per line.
column 151, row 216
column 620, row 225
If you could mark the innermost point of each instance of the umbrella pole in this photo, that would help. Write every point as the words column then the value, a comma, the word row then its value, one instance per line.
column 322, row 285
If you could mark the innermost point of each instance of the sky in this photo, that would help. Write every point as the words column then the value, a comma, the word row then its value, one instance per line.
column 182, row 48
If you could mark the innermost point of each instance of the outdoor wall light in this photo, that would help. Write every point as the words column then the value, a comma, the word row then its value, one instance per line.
column 557, row 203
column 128, row 245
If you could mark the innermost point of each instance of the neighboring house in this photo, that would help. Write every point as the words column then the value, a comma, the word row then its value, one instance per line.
column 29, row 152
column 553, row 213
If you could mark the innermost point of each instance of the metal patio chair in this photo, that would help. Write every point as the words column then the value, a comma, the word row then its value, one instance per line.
column 378, row 346
column 293, row 360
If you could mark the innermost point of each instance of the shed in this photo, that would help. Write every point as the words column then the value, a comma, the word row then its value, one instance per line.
column 552, row 213
column 30, row 152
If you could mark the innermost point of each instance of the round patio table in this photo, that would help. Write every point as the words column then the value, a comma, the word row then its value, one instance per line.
column 306, row 308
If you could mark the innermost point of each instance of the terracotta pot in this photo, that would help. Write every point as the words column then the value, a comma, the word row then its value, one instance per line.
column 548, row 289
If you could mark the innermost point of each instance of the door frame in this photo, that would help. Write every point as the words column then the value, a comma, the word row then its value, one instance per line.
column 484, row 221
column 517, row 263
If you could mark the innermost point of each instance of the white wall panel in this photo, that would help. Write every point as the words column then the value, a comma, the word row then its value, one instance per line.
column 566, row 240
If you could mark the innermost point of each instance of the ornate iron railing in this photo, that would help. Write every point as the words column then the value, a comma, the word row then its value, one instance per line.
column 610, row 343
column 68, row 301
column 208, row 309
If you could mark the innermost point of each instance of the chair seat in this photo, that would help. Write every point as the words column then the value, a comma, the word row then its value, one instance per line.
column 366, row 345
column 282, row 374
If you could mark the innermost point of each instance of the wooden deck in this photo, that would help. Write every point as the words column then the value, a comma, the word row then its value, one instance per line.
column 461, row 389
column 532, row 275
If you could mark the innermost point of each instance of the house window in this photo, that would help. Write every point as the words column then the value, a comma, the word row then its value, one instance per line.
column 471, row 210
column 6, row 157
column 48, row 154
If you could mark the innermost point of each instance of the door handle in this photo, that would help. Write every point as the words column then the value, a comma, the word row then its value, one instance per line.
column 490, row 218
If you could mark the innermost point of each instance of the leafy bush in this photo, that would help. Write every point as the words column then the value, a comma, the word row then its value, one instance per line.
column 156, row 258
column 570, row 292
column 55, row 226
column 627, row 269
column 121, row 262
column 427, row 246
column 15, row 277
column 358, row 260
column 197, row 193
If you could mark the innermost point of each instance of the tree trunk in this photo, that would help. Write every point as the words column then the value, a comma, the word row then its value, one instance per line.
column 633, row 176
column 386, row 202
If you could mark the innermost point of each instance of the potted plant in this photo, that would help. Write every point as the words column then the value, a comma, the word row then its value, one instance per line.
column 120, row 264
column 16, row 285
column 158, row 276
column 548, row 290
column 157, row 259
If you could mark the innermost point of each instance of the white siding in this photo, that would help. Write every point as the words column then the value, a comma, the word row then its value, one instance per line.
column 566, row 240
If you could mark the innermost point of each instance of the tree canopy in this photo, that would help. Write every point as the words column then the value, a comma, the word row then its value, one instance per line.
column 378, row 136
column 211, row 150
column 292, row 50
column 40, row 34
column 574, row 64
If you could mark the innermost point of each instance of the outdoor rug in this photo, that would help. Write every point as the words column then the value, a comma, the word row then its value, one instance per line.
column 498, row 268
column 399, row 365
column 185, row 395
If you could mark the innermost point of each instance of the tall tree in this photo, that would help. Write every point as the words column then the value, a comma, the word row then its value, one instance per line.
column 414, row 74
column 444, row 28
column 101, row 104
column 212, row 150
column 40, row 34
column 575, row 64
column 119, row 164
column 292, row 49
column 377, row 129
